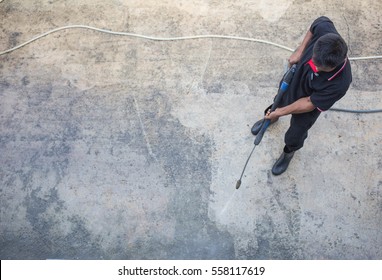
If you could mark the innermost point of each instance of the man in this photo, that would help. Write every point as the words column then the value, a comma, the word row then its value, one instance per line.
column 322, row 77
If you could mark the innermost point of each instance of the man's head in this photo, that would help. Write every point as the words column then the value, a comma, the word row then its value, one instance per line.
column 329, row 51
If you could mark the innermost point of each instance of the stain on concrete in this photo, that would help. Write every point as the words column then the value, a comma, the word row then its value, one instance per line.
column 13, row 39
column 195, row 236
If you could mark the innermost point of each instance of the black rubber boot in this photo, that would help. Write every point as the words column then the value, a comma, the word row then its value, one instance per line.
column 282, row 163
column 257, row 126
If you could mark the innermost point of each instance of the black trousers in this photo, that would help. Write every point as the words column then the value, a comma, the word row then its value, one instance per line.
column 298, row 130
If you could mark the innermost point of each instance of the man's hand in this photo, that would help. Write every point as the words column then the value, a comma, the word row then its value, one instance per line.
column 302, row 105
column 295, row 57
column 273, row 116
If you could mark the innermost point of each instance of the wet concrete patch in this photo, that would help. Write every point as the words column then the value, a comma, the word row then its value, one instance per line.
column 52, row 155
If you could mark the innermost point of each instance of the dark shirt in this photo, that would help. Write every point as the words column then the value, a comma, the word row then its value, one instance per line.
column 324, row 88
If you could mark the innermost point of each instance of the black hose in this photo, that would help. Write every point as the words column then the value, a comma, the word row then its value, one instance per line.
column 356, row 111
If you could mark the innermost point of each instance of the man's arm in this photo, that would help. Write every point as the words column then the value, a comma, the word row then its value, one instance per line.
column 302, row 105
column 296, row 55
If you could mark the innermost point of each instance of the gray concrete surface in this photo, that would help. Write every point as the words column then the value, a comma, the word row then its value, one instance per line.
column 122, row 148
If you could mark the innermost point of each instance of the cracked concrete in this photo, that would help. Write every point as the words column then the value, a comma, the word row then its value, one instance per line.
column 122, row 148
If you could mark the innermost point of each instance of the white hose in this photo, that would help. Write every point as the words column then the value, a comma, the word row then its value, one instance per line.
column 181, row 38
column 163, row 39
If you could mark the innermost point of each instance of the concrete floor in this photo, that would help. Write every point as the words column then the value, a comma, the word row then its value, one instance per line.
column 114, row 147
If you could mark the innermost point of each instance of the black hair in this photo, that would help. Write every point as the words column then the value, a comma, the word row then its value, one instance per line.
column 329, row 51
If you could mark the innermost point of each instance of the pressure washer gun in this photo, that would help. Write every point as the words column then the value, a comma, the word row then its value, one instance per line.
column 282, row 89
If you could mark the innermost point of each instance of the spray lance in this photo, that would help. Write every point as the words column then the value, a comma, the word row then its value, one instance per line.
column 266, row 122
